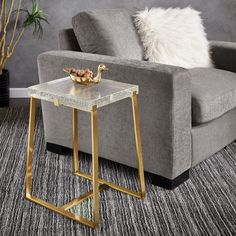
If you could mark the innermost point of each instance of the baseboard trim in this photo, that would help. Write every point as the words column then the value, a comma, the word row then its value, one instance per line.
column 155, row 179
column 18, row 93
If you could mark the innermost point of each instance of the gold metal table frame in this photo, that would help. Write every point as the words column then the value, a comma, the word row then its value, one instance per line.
column 98, row 184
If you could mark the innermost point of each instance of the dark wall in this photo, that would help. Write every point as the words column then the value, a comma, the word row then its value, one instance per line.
column 219, row 18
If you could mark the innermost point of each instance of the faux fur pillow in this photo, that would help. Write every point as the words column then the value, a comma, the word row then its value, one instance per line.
column 173, row 36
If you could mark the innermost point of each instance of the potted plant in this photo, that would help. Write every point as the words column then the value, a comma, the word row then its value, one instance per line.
column 9, row 38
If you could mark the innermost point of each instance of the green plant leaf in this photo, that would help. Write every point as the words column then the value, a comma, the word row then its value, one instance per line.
column 34, row 18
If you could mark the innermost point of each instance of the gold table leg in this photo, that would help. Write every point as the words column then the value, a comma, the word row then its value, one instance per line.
column 63, row 210
column 138, row 143
column 75, row 140
column 94, row 134
column 98, row 184
column 30, row 147
column 95, row 165
column 141, row 193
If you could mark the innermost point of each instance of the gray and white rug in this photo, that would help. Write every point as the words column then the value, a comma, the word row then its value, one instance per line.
column 204, row 205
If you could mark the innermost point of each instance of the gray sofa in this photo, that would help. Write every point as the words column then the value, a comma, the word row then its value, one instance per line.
column 185, row 115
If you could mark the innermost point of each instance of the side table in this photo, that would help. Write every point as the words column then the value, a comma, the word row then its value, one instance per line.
column 85, row 98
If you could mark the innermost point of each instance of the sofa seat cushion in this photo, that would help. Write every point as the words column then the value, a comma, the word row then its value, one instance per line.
column 108, row 32
column 213, row 93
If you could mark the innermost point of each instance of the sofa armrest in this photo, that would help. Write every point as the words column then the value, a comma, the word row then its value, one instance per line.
column 68, row 41
column 164, row 104
column 224, row 55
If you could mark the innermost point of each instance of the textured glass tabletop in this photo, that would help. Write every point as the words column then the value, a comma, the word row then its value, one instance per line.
column 66, row 92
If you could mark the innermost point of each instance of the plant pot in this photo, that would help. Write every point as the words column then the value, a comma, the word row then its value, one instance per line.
column 4, row 89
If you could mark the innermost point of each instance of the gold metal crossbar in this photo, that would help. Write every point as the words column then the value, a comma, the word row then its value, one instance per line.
column 98, row 184
column 61, row 211
column 113, row 186
column 83, row 197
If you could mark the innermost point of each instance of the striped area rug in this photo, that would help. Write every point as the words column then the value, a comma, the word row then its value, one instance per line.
column 204, row 205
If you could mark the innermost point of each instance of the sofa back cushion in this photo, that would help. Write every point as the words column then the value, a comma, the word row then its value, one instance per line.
column 108, row 32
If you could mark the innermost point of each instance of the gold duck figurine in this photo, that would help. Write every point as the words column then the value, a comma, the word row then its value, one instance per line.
column 85, row 76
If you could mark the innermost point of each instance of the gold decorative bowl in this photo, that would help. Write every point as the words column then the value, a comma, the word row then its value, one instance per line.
column 82, row 80
column 85, row 76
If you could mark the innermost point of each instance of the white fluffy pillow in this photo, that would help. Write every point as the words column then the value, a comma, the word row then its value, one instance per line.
column 173, row 36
